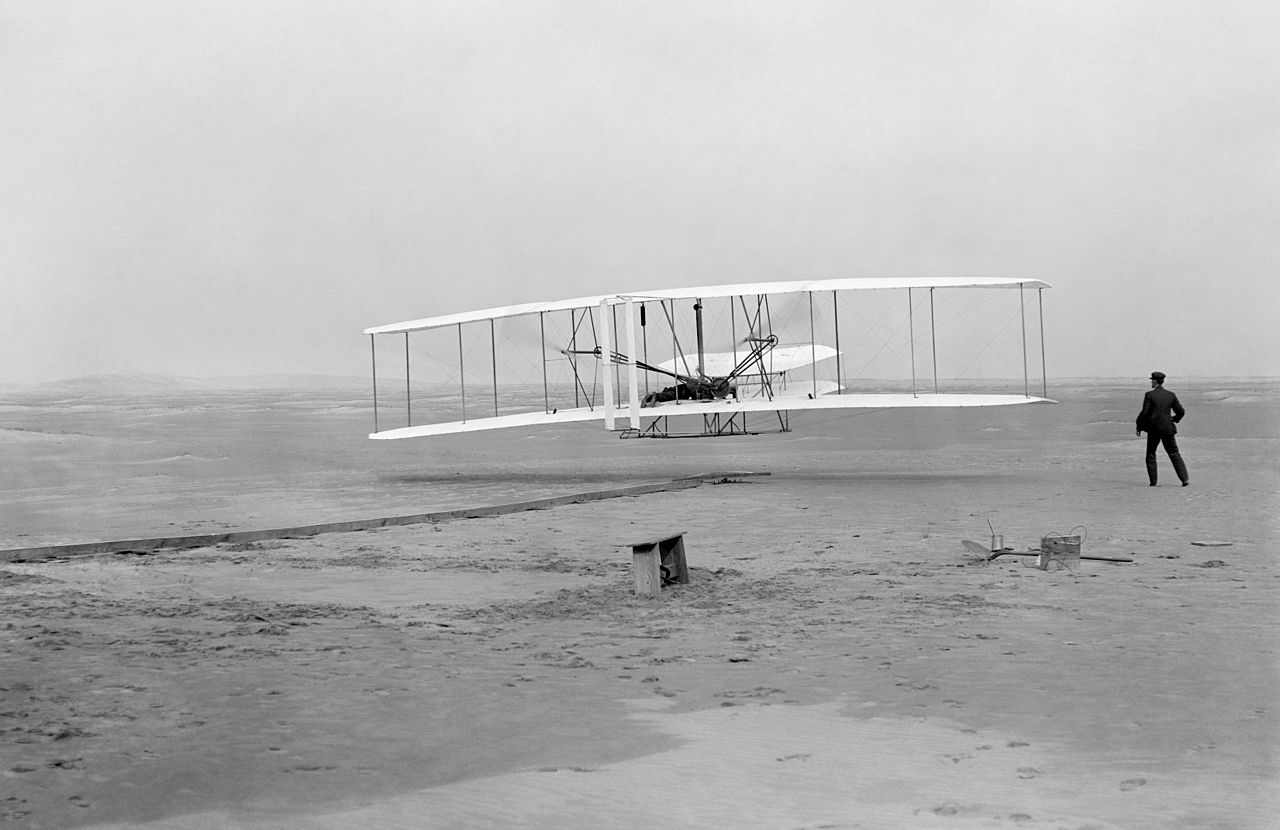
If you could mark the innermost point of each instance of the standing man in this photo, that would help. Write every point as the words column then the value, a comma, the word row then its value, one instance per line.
column 1161, row 411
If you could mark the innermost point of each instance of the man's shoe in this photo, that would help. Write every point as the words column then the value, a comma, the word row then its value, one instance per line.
column 1186, row 484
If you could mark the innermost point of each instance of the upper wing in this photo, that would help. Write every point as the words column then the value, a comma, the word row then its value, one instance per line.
column 709, row 291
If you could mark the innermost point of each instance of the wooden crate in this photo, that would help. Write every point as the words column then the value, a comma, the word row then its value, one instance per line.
column 657, row 562
column 1065, row 550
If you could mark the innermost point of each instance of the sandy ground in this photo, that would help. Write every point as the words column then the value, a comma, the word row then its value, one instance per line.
column 837, row 660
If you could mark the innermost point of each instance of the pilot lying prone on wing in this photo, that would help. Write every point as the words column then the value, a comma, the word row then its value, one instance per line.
column 708, row 389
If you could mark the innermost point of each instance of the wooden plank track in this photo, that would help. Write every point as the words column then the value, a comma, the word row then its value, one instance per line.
column 242, row 536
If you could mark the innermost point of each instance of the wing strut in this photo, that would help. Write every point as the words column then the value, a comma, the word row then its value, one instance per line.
column 542, row 332
column 1022, row 313
column 813, row 346
column 462, row 375
column 604, row 368
column 633, row 380
column 373, row 354
column 574, row 323
column 835, row 307
column 911, row 328
column 493, row 353
column 697, row 318
column 1044, row 369
column 933, row 342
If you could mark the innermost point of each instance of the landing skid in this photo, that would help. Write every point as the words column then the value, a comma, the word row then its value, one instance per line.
column 714, row 425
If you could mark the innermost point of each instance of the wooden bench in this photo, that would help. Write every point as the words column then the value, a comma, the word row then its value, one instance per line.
column 658, row 561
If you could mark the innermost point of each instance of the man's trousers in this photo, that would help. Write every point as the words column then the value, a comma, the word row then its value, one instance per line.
column 1171, row 447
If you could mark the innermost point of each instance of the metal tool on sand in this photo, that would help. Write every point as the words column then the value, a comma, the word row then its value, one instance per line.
column 1061, row 549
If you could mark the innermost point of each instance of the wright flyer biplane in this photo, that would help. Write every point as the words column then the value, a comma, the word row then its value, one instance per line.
column 713, row 360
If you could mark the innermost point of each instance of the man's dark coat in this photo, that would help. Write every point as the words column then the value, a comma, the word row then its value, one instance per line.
column 1160, row 412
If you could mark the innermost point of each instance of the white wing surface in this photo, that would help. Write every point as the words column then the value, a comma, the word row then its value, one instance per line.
column 781, row 403
column 707, row 292
column 594, row 359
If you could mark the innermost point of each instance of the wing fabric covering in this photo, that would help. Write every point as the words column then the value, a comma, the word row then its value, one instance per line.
column 708, row 292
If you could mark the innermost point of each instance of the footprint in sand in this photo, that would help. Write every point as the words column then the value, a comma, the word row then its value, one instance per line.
column 1132, row 784
column 757, row 692
column 1029, row 772
column 65, row 763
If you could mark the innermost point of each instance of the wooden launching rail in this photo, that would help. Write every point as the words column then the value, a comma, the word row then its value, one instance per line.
column 32, row 554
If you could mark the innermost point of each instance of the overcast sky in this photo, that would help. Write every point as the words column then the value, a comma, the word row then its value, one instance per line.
column 226, row 187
